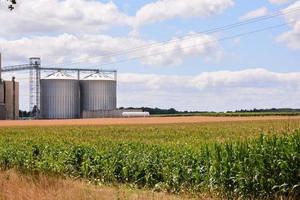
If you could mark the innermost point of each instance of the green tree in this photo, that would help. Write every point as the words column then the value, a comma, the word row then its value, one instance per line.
column 11, row 4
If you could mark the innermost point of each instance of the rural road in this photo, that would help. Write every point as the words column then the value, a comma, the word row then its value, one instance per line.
column 139, row 121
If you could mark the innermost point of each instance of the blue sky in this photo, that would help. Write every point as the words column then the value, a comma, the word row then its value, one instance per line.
column 257, row 50
column 255, row 71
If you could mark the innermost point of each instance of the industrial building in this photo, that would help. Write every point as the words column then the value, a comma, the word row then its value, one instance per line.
column 9, row 98
column 2, row 103
column 55, row 93
column 63, row 93
column 60, row 97
column 65, row 97
column 98, row 96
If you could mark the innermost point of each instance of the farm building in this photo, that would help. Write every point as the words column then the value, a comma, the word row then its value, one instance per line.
column 9, row 100
column 62, row 95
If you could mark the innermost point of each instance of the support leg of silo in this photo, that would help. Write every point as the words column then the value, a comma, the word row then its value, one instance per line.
column 78, row 74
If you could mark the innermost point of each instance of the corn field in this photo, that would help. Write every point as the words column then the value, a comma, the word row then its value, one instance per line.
column 261, row 163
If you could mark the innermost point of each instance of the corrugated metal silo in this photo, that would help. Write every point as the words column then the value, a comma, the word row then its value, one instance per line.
column 1, row 92
column 98, row 93
column 2, row 105
column 60, row 97
column 11, row 99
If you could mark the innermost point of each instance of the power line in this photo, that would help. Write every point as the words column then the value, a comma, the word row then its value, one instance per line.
column 217, row 40
column 189, row 37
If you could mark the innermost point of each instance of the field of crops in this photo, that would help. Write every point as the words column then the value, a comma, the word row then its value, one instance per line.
column 233, row 159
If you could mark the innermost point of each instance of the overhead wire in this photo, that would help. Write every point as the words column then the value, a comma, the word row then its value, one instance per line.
column 183, row 38
column 191, row 46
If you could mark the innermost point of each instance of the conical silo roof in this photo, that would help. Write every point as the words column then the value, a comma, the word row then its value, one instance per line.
column 59, row 76
column 97, row 77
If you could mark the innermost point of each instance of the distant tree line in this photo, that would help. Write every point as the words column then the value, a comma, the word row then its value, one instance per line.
column 27, row 114
column 24, row 114
column 269, row 110
column 154, row 111
column 171, row 111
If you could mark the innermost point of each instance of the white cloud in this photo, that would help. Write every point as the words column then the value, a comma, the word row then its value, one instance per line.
column 68, row 30
column 64, row 48
column 218, row 91
column 168, row 9
column 255, row 13
column 56, row 16
column 174, row 52
column 92, row 16
column 278, row 2
column 67, row 47
column 250, row 78
column 210, row 91
column 292, row 37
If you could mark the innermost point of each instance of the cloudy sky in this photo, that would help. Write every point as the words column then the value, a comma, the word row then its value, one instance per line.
column 163, row 51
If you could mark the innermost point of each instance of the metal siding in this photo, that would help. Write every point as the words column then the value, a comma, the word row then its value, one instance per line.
column 98, row 95
column 101, row 113
column 6, row 100
column 2, row 105
column 17, row 108
column 59, row 99
column 1, row 92
column 9, row 99
column 2, row 112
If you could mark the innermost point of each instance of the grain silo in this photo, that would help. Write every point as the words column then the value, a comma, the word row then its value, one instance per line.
column 98, row 95
column 60, row 97
column 11, row 99
column 2, row 102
